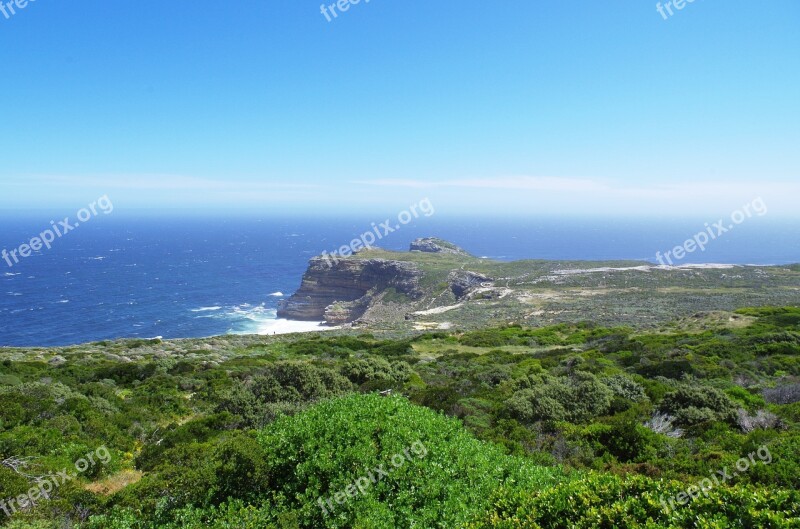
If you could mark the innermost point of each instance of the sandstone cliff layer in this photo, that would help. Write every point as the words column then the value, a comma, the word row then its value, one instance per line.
column 341, row 291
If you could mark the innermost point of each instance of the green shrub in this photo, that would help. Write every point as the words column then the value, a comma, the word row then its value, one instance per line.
column 9, row 380
column 241, row 470
column 376, row 369
column 297, row 382
column 576, row 398
column 697, row 404
column 12, row 484
column 625, row 388
column 608, row 501
column 319, row 452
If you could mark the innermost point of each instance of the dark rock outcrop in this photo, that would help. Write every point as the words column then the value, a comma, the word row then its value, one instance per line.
column 463, row 282
column 341, row 291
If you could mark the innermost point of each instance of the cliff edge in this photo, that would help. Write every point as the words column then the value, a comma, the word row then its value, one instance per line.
column 340, row 291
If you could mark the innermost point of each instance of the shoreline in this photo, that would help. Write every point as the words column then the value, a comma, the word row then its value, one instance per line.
column 283, row 326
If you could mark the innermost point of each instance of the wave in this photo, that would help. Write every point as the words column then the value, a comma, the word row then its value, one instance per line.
column 206, row 309
column 265, row 321
column 258, row 319
column 248, row 319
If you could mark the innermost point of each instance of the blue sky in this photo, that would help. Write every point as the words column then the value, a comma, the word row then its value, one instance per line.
column 514, row 107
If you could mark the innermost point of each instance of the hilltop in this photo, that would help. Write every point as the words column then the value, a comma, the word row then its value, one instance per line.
column 438, row 285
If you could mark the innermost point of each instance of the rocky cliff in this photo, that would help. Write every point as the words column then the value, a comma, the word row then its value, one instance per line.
column 341, row 291
column 437, row 285
column 435, row 245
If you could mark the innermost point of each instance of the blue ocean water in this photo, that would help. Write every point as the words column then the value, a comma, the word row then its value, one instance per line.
column 119, row 277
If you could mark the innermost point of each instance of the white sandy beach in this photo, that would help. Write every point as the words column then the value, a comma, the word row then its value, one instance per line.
column 283, row 326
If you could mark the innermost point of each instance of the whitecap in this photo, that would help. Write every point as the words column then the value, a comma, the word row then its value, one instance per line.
column 207, row 309
column 278, row 294
column 247, row 319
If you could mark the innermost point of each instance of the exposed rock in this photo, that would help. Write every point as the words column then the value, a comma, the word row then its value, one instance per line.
column 340, row 291
column 462, row 282
column 435, row 245
column 342, row 312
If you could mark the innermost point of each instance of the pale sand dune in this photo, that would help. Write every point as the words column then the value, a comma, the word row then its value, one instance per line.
column 644, row 268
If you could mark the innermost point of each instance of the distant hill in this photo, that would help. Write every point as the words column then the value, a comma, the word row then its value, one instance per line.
column 437, row 285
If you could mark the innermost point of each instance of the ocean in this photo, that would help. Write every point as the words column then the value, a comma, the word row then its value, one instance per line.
column 119, row 277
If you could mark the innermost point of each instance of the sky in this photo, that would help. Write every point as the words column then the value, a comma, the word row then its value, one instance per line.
column 518, row 107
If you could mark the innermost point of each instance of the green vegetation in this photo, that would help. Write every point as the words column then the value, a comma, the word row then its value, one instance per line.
column 536, row 293
column 571, row 425
column 609, row 501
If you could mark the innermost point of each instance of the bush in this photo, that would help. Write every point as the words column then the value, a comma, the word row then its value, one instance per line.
column 9, row 380
column 323, row 450
column 785, row 394
column 12, row 484
column 609, row 501
column 372, row 369
column 241, row 470
column 625, row 388
column 629, row 441
column 576, row 398
column 662, row 424
column 693, row 405
column 762, row 419
column 296, row 382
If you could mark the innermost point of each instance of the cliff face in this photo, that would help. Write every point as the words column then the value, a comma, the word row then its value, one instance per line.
column 463, row 282
column 340, row 292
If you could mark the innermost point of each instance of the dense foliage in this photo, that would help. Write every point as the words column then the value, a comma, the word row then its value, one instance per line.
column 609, row 501
column 562, row 426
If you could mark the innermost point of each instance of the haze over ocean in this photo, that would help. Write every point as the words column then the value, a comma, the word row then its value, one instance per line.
column 120, row 277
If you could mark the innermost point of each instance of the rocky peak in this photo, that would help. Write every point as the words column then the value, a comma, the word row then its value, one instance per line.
column 435, row 245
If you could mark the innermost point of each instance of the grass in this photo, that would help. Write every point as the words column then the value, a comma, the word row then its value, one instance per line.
column 115, row 483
